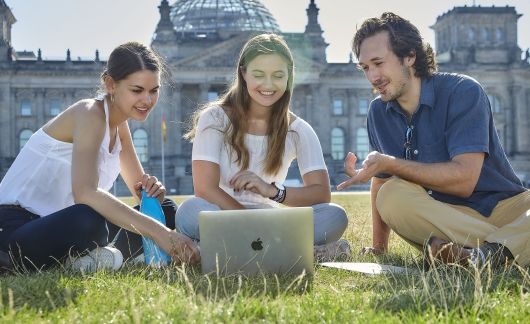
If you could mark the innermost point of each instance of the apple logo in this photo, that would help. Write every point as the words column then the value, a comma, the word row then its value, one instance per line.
column 257, row 245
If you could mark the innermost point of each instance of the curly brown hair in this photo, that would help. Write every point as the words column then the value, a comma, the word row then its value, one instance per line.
column 405, row 40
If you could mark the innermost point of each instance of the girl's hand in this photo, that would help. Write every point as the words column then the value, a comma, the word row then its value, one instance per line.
column 183, row 249
column 151, row 186
column 248, row 180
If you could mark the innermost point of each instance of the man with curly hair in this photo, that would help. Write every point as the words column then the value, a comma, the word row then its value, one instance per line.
column 439, row 176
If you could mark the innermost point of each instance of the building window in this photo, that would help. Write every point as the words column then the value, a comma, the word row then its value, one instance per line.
column 141, row 142
column 445, row 39
column 212, row 95
column 338, row 107
column 25, row 107
column 4, row 29
column 362, row 143
column 499, row 35
column 485, row 34
column 55, row 107
column 471, row 34
column 495, row 104
column 24, row 137
column 337, row 143
column 363, row 106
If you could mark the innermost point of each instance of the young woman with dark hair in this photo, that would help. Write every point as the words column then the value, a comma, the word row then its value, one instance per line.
column 54, row 200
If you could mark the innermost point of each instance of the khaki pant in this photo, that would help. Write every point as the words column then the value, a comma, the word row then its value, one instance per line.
column 416, row 216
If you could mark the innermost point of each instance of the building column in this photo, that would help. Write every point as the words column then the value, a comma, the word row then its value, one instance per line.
column 15, row 104
column 521, row 122
column 525, row 149
column 203, row 93
column 352, row 120
column 39, row 109
column 7, row 116
column 69, row 97
column 513, row 131
column 312, row 105
column 176, row 123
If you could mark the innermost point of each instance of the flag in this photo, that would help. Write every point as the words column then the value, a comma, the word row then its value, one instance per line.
column 164, row 129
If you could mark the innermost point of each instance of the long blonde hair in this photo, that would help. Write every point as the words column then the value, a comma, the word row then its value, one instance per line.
column 236, row 104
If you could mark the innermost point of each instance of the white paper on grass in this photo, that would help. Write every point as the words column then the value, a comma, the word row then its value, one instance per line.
column 369, row 268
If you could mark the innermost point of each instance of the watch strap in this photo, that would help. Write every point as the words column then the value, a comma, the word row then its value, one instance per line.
column 280, row 195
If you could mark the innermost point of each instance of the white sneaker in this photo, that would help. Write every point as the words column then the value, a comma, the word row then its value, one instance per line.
column 106, row 257
column 333, row 251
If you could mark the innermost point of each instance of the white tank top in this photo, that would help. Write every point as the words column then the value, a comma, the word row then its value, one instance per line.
column 40, row 178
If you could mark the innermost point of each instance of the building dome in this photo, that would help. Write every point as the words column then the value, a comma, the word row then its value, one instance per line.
column 207, row 17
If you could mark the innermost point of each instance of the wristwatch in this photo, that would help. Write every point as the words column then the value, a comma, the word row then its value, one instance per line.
column 281, row 194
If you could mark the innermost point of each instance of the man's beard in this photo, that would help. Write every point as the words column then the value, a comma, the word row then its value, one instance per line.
column 404, row 82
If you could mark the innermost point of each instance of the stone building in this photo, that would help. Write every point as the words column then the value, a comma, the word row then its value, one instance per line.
column 482, row 42
column 200, row 41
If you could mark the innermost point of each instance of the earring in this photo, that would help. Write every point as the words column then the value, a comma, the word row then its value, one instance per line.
column 111, row 98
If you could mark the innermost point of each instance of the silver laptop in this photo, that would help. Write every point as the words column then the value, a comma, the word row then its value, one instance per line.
column 254, row 241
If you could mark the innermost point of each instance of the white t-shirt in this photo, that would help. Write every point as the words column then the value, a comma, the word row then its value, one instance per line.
column 40, row 178
column 302, row 144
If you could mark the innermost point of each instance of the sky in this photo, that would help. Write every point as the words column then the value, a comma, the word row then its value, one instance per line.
column 86, row 25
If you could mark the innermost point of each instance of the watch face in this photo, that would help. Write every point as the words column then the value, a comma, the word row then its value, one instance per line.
column 279, row 186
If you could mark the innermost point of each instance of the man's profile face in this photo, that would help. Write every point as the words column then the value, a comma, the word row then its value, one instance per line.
column 389, row 76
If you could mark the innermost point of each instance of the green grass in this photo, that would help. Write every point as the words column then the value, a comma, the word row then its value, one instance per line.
column 178, row 294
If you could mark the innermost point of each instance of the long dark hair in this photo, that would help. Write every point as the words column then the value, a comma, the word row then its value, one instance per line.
column 405, row 40
column 236, row 103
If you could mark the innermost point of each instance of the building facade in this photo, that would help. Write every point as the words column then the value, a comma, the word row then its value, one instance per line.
column 201, row 40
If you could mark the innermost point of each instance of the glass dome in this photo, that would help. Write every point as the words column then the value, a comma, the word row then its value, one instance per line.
column 206, row 17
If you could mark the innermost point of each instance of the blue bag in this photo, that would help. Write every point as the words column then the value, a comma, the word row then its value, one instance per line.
column 153, row 254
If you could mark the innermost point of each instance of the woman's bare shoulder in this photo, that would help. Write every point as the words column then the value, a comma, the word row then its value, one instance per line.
column 88, row 110
column 87, row 105
column 86, row 113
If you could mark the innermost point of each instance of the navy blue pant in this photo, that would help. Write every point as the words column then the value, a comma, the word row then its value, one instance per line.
column 40, row 242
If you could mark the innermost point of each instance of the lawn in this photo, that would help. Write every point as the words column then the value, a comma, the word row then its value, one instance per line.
column 178, row 294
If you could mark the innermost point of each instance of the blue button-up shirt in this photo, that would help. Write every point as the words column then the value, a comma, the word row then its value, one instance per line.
column 453, row 117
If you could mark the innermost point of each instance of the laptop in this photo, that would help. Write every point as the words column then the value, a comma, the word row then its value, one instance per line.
column 255, row 241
